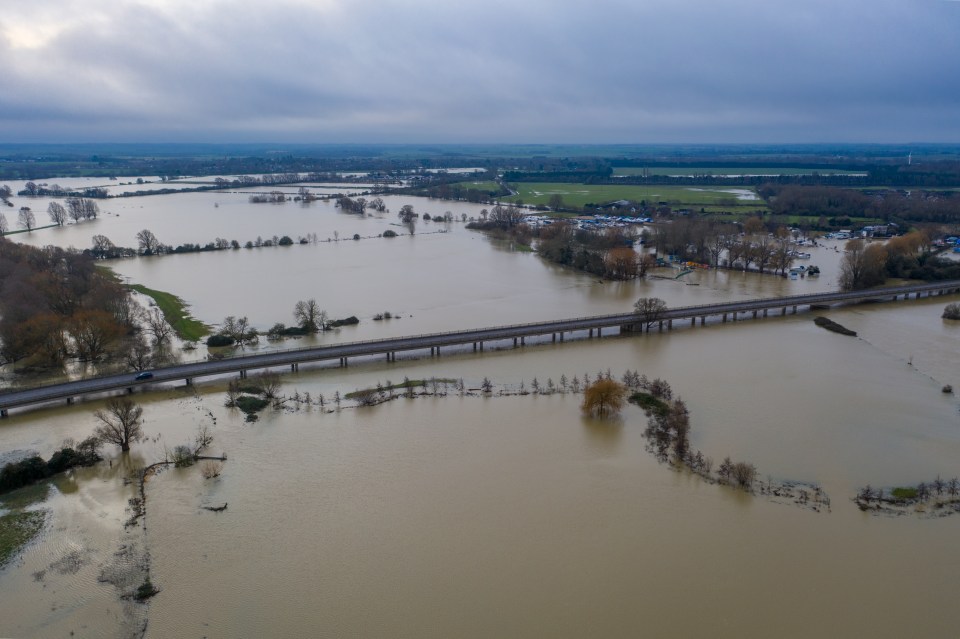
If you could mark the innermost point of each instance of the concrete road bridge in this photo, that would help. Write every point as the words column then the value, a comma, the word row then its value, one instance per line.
column 342, row 353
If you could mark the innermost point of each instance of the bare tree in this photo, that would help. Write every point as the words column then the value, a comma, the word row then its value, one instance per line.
column 26, row 218
column 149, row 244
column 58, row 214
column 120, row 423
column 862, row 265
column 650, row 309
column 4, row 225
column 506, row 216
column 406, row 213
column 237, row 328
column 139, row 357
column 157, row 325
column 309, row 316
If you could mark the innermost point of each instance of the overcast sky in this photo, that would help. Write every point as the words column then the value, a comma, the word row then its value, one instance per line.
column 600, row 71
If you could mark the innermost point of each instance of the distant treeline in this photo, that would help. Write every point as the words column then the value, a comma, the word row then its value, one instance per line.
column 886, row 204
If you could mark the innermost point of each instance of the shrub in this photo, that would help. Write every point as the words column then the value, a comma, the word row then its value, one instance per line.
column 951, row 312
column 219, row 340
column 389, row 233
column 356, row 236
column 250, row 404
column 344, row 322
column 210, row 469
column 286, row 240
column 649, row 403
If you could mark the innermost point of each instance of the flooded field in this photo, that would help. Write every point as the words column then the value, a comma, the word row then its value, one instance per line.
column 503, row 516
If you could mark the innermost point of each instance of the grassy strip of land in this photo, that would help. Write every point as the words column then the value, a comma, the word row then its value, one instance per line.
column 16, row 529
column 409, row 383
column 830, row 325
column 175, row 312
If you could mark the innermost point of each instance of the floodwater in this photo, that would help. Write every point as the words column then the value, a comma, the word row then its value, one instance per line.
column 512, row 516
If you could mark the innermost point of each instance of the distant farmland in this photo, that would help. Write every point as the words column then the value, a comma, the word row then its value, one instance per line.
column 577, row 195
column 726, row 171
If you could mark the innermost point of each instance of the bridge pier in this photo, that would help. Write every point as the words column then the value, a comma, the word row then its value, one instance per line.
column 764, row 312
column 724, row 318
column 343, row 362
column 293, row 368
column 189, row 381
column 794, row 309
column 669, row 325
column 599, row 332
column 754, row 315
column 561, row 338
column 474, row 347
column 515, row 342
column 3, row 413
column 735, row 313
column 523, row 341
column 554, row 338
column 703, row 320
column 783, row 311
column 693, row 321
column 481, row 347
column 69, row 401
column 590, row 333
column 243, row 374
column 129, row 390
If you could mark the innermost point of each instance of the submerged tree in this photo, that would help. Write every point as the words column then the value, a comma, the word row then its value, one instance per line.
column 650, row 309
column 603, row 398
column 120, row 423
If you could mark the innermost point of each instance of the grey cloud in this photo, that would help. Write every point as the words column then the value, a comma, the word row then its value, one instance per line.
column 606, row 71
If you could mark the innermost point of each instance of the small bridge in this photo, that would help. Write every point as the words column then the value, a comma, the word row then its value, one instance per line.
column 623, row 323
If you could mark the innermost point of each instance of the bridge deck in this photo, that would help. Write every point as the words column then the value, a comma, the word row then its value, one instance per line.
column 390, row 346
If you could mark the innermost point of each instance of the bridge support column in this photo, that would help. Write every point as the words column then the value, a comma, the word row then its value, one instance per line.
column 783, row 311
column 294, row 368
column 735, row 313
column 794, row 310
column 3, row 413
column 515, row 342
column 474, row 347
column 724, row 317
column 764, row 313
column 130, row 390
column 599, row 332
column 590, row 333
column 561, row 338
column 69, row 401
column 693, row 321
column 660, row 326
column 553, row 338
column 481, row 347
column 243, row 374
column 754, row 315
column 189, row 380
column 669, row 325
column 917, row 296
column 523, row 341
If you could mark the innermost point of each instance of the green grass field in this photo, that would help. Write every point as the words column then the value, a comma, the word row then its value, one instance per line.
column 727, row 171
column 175, row 312
column 707, row 198
column 480, row 186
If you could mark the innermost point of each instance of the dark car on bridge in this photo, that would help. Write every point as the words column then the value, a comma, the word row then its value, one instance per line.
column 143, row 376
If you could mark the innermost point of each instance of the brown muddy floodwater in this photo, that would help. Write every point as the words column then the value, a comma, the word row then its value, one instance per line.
column 504, row 516
column 517, row 517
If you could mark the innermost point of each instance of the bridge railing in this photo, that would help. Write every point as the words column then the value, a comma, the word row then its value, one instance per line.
column 545, row 326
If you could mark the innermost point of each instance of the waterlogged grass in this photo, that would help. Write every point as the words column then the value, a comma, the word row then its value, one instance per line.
column 17, row 529
column 175, row 312
column 486, row 186
column 676, row 196
column 904, row 493
column 26, row 496
column 410, row 383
